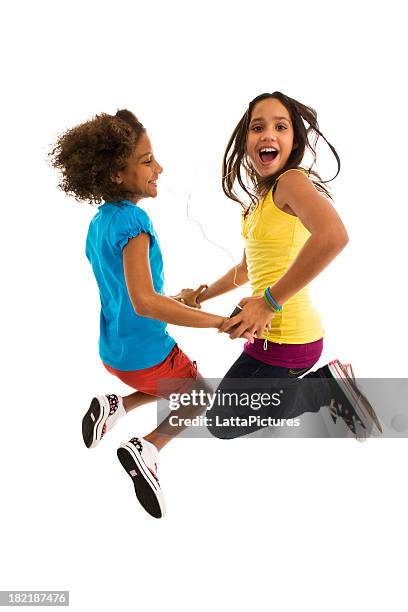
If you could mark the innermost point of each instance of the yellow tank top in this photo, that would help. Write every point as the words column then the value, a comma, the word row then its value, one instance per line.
column 273, row 239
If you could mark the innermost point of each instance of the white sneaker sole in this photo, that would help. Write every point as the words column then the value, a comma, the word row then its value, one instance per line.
column 350, row 373
column 94, row 420
column 368, row 417
column 147, row 489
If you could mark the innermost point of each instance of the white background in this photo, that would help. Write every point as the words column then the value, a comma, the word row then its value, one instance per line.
column 252, row 524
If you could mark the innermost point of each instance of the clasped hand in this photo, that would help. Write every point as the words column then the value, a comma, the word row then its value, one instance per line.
column 254, row 319
column 189, row 297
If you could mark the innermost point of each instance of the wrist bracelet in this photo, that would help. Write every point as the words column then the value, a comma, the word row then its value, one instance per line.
column 272, row 300
column 269, row 304
column 272, row 303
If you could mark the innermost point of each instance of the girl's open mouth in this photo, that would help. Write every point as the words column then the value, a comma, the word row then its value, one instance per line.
column 267, row 154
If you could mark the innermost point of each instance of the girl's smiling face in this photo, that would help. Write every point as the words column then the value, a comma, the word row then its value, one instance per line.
column 139, row 178
column 270, row 137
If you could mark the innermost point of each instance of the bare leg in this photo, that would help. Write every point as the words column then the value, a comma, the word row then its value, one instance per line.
column 165, row 432
column 134, row 400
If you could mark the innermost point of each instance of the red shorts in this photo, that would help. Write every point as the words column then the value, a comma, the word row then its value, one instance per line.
column 176, row 374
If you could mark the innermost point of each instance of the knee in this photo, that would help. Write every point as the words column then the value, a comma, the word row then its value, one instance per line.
column 221, row 433
column 217, row 425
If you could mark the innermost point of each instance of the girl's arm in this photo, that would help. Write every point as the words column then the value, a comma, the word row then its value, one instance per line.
column 146, row 301
column 328, row 234
column 328, row 238
column 238, row 275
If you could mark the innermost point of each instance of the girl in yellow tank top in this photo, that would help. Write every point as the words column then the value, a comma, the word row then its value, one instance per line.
column 291, row 230
column 291, row 233
column 273, row 240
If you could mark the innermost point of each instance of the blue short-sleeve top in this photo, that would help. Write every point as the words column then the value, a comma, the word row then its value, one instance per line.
column 127, row 341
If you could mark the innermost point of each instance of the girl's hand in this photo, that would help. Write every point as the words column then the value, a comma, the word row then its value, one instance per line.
column 254, row 319
column 225, row 321
column 189, row 297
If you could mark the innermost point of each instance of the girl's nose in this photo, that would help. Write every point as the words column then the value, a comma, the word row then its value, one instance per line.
column 269, row 137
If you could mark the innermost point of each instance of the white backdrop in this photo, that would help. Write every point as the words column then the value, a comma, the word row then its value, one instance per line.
column 252, row 524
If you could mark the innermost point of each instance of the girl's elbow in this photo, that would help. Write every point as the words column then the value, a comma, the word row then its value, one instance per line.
column 241, row 277
column 342, row 239
column 140, row 310
column 336, row 240
column 142, row 306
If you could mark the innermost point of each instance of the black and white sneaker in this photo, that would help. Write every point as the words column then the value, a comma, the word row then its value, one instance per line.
column 366, row 406
column 139, row 458
column 349, row 371
column 348, row 368
column 349, row 403
column 102, row 415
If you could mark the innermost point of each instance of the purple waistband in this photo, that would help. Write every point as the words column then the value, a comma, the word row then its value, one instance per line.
column 286, row 355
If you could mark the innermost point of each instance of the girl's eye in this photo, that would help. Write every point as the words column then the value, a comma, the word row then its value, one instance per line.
column 256, row 128
column 281, row 125
column 149, row 161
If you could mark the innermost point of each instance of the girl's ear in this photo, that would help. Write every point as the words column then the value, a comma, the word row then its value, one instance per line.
column 295, row 146
column 117, row 178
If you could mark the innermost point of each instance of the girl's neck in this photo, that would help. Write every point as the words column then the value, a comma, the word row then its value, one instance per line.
column 132, row 197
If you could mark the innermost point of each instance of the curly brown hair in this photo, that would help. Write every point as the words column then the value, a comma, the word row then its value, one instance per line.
column 89, row 154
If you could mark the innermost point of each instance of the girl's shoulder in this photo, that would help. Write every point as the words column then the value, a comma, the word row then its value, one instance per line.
column 292, row 178
column 289, row 175
column 128, row 211
column 127, row 221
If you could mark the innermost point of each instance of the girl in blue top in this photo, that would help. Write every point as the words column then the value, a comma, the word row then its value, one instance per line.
column 109, row 161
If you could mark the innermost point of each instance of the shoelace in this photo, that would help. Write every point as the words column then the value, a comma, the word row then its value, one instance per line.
column 350, row 417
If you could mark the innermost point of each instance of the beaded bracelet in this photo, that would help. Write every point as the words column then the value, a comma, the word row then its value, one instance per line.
column 271, row 302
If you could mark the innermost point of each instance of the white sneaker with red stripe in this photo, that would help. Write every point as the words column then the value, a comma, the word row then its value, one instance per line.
column 349, row 403
column 139, row 459
column 101, row 416
column 349, row 371
column 348, row 368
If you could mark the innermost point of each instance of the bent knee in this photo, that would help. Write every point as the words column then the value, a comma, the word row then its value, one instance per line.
column 222, row 433
column 217, row 425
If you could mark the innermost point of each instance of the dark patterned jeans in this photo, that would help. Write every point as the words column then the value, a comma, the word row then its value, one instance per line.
column 250, row 377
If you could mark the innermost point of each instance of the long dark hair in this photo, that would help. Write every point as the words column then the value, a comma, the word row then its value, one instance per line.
column 305, row 137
